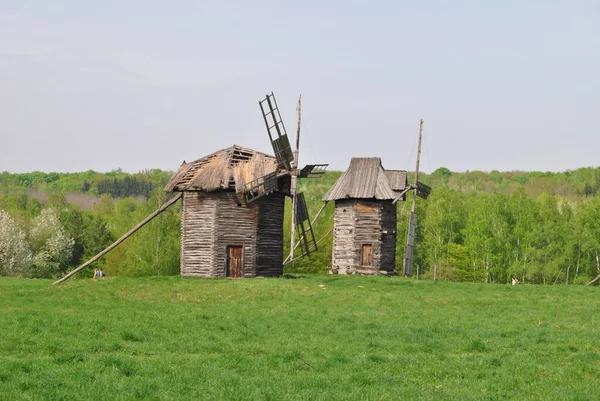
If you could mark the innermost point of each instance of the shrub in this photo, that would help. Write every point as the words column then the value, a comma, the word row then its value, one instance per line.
column 14, row 253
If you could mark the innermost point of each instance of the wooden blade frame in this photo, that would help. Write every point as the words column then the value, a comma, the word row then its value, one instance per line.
column 423, row 190
column 304, row 226
column 277, row 132
column 260, row 187
column 312, row 170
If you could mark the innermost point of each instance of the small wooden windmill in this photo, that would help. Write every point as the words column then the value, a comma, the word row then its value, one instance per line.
column 421, row 190
column 288, row 165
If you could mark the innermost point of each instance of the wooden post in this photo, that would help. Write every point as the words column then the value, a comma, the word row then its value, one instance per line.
column 410, row 242
column 287, row 261
column 594, row 280
column 294, row 182
column 123, row 238
column 418, row 164
column 597, row 268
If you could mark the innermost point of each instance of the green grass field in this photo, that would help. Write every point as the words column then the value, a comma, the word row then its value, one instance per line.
column 304, row 338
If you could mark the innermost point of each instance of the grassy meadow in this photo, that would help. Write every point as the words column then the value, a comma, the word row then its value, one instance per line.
column 297, row 338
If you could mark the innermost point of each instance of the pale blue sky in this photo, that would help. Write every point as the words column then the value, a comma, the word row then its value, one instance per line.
column 506, row 85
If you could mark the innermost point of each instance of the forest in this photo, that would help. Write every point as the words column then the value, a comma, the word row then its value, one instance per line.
column 543, row 227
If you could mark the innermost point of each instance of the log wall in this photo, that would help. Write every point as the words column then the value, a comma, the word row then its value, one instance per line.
column 236, row 225
column 343, row 258
column 198, row 234
column 358, row 222
column 212, row 221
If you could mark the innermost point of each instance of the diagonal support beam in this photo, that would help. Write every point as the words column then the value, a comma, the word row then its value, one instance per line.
column 401, row 194
column 123, row 238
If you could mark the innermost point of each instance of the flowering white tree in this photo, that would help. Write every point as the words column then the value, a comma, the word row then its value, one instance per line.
column 52, row 246
column 14, row 253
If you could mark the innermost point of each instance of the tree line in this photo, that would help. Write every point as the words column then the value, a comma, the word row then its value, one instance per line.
column 475, row 226
column 116, row 183
column 493, row 237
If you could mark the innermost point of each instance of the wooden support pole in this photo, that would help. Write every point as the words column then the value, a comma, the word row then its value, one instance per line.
column 123, row 238
column 304, row 254
column 594, row 280
column 294, row 182
column 410, row 238
column 301, row 238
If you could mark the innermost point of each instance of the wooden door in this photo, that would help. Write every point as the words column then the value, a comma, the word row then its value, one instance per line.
column 235, row 261
column 366, row 255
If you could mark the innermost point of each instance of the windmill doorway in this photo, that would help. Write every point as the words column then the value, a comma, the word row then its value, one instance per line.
column 235, row 261
column 366, row 255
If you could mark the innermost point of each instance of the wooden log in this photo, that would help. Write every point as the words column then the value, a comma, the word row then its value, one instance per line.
column 594, row 280
column 123, row 238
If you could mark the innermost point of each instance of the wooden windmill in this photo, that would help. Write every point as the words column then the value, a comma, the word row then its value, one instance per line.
column 233, row 207
column 421, row 190
column 288, row 165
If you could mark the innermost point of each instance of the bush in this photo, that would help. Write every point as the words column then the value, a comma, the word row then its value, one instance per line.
column 52, row 246
column 14, row 253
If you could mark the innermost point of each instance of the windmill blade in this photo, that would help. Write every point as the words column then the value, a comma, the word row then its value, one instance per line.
column 295, row 245
column 312, row 170
column 260, row 187
column 277, row 132
column 423, row 190
column 304, row 226
column 288, row 260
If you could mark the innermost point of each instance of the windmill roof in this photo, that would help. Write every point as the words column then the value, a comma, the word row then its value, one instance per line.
column 367, row 179
column 397, row 178
column 228, row 168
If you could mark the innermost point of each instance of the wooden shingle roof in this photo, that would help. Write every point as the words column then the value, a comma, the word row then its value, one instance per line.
column 229, row 168
column 397, row 178
column 366, row 179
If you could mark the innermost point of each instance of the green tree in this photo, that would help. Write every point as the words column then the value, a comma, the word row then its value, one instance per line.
column 442, row 226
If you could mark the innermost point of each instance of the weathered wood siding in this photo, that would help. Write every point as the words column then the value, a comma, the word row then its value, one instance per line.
column 215, row 220
column 358, row 222
column 367, row 231
column 198, row 234
column 236, row 225
column 269, row 244
column 343, row 258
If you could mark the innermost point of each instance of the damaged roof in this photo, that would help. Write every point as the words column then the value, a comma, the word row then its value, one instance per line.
column 367, row 179
column 229, row 168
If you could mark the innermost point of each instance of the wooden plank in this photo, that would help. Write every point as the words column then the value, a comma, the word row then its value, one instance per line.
column 197, row 234
column 594, row 280
column 367, row 255
column 235, row 261
column 362, row 208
